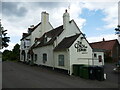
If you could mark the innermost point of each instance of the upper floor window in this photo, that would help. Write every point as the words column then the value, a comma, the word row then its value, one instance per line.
column 26, row 43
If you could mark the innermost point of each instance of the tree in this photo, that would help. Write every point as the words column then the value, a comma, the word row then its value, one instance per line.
column 4, row 40
column 13, row 55
column 6, row 55
column 117, row 29
column 16, row 52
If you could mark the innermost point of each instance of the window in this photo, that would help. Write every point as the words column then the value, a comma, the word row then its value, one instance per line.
column 95, row 55
column 44, row 57
column 35, row 57
column 100, row 58
column 61, row 60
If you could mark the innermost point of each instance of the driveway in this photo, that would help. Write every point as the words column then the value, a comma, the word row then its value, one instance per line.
column 19, row 75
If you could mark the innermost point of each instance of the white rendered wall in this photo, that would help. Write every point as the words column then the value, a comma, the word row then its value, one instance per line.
column 66, row 59
column 79, row 57
column 35, row 34
column 22, row 48
column 49, row 51
column 39, row 31
column 70, row 31
column 96, row 59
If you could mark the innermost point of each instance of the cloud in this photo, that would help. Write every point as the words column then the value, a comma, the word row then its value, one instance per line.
column 47, row 5
column 9, row 9
column 109, row 9
column 100, row 38
column 111, row 18
column 18, row 16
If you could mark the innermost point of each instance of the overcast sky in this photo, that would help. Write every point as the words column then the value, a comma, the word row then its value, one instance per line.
column 97, row 19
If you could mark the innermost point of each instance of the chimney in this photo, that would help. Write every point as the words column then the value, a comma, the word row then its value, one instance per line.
column 32, row 26
column 44, row 17
column 66, row 19
column 103, row 39
column 44, row 22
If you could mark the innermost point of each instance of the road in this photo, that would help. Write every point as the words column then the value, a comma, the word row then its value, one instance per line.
column 19, row 75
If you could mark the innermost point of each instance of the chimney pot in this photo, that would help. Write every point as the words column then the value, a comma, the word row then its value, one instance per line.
column 66, row 10
column 103, row 39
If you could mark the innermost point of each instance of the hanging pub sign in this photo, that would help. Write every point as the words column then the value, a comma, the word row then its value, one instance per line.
column 80, row 47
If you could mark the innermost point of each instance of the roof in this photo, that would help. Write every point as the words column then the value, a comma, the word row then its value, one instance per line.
column 107, row 45
column 51, row 34
column 66, row 42
column 30, row 30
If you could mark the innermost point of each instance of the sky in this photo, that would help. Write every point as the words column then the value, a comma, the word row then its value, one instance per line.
column 97, row 19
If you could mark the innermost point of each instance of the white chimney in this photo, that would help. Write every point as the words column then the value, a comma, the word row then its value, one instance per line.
column 66, row 19
column 44, row 21
column 44, row 17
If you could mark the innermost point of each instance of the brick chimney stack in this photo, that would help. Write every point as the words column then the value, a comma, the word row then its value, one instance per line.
column 103, row 39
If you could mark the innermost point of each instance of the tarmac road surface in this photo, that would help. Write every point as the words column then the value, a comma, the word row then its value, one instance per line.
column 19, row 75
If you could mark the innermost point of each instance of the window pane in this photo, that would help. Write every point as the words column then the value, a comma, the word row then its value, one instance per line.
column 44, row 57
column 95, row 55
column 100, row 58
column 61, row 60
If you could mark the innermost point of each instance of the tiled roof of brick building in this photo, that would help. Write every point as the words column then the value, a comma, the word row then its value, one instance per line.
column 106, row 45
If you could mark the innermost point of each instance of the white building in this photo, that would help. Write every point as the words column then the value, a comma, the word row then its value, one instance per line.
column 61, row 47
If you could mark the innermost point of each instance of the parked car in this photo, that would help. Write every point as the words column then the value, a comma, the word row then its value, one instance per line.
column 117, row 68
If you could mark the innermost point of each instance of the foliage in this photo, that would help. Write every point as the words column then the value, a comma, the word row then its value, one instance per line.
column 11, row 55
column 6, row 55
column 16, row 52
column 3, row 38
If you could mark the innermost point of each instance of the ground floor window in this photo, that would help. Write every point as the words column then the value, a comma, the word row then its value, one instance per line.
column 61, row 60
column 44, row 57
column 35, row 57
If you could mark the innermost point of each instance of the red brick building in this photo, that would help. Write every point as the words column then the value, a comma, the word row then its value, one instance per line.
column 111, row 47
